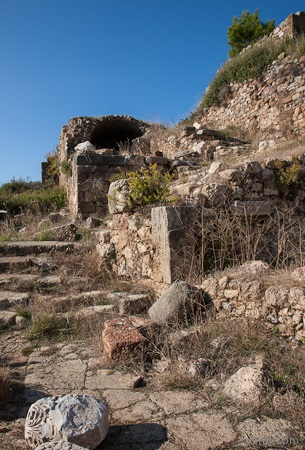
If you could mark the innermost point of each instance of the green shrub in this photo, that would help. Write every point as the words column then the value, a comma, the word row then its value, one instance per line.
column 19, row 195
column 285, row 176
column 147, row 186
column 246, row 30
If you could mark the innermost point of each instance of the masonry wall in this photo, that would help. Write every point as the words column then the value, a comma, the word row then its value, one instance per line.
column 272, row 105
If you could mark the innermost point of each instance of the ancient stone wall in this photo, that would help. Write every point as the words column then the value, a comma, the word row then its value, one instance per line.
column 271, row 105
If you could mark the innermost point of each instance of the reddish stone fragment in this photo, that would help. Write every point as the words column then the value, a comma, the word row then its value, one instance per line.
column 120, row 336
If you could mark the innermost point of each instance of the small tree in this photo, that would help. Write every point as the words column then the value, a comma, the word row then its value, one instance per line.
column 246, row 30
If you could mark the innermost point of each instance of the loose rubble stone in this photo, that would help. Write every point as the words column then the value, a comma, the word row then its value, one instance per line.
column 175, row 303
column 119, row 336
column 245, row 386
column 78, row 419
column 85, row 147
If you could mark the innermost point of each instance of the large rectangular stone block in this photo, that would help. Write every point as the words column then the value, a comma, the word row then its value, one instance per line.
column 100, row 160
column 173, row 235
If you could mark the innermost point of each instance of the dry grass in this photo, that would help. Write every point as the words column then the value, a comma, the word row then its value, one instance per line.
column 5, row 385
column 226, row 240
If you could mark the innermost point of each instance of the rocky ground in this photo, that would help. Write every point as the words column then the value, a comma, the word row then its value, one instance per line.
column 145, row 415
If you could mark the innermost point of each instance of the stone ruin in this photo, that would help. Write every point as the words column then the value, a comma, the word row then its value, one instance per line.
column 95, row 149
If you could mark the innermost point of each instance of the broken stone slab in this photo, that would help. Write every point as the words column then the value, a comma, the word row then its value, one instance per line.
column 120, row 336
column 176, row 303
column 67, row 232
column 78, row 419
column 118, row 197
column 59, row 445
column 9, row 299
column 134, row 303
column 252, row 208
column 246, row 385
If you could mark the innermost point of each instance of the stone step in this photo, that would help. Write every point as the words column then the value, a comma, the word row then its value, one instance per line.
column 84, row 299
column 33, row 247
column 27, row 281
column 14, row 263
column 10, row 299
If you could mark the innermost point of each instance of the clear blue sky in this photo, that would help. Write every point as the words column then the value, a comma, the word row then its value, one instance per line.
column 66, row 58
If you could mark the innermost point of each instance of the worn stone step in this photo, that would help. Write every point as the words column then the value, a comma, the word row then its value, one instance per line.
column 14, row 263
column 33, row 247
column 10, row 299
column 83, row 299
column 25, row 281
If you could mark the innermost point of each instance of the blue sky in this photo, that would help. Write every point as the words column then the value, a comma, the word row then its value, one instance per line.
column 66, row 58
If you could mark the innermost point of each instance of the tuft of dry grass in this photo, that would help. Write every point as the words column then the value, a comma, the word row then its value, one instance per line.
column 5, row 384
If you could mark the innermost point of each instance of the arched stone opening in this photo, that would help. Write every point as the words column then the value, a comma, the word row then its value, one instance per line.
column 112, row 131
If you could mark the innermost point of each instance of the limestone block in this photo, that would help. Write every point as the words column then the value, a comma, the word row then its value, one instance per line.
column 118, row 197
column 252, row 208
column 173, row 234
column 245, row 386
column 119, row 336
column 299, row 275
column 252, row 267
column 78, row 419
column 159, row 160
column 232, row 175
column 9, row 299
column 176, row 303
column 134, row 303
column 276, row 296
column 85, row 147
column 215, row 167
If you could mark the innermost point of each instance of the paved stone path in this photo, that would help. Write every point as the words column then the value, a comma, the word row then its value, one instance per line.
column 142, row 418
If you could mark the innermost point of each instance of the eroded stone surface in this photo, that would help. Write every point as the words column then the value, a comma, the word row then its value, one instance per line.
column 78, row 419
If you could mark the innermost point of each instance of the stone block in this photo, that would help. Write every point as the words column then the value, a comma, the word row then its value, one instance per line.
column 159, row 160
column 120, row 336
column 118, row 197
column 173, row 235
column 99, row 160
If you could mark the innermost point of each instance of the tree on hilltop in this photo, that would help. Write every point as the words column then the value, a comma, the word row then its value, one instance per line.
column 246, row 30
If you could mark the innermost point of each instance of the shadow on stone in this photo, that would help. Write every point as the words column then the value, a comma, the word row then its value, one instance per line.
column 141, row 436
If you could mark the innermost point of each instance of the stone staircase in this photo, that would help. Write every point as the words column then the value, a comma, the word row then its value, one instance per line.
column 29, row 269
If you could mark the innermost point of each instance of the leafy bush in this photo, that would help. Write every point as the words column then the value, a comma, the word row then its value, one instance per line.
column 19, row 195
column 285, row 176
column 246, row 30
column 149, row 186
